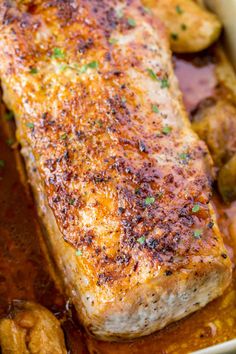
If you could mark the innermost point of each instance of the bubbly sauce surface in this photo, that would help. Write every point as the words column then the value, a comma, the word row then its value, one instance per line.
column 24, row 274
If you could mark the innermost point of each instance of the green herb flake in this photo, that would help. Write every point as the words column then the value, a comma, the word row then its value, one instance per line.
column 183, row 27
column 141, row 240
column 113, row 40
column 64, row 136
column 179, row 10
column 152, row 74
column 58, row 54
column 9, row 116
column 165, row 83
column 195, row 208
column 9, row 141
column 83, row 68
column 63, row 67
column 78, row 253
column 2, row 163
column 175, row 36
column 197, row 233
column 72, row 201
column 166, row 129
column 131, row 22
column 93, row 65
column 33, row 71
column 123, row 99
column 184, row 156
column 149, row 200
column 30, row 125
column 155, row 108
column 99, row 123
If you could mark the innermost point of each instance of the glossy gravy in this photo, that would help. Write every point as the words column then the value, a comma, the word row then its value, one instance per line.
column 24, row 274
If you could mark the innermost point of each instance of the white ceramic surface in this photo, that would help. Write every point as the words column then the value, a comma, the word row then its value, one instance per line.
column 223, row 348
column 226, row 11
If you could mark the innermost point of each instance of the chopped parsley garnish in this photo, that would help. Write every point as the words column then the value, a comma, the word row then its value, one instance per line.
column 123, row 99
column 78, row 253
column 9, row 141
column 141, row 240
column 113, row 40
column 152, row 74
column 175, row 36
column 9, row 116
column 197, row 233
column 73, row 66
column 179, row 10
column 63, row 67
column 93, row 65
column 33, row 71
column 155, row 109
column 184, row 156
column 58, row 54
column 149, row 200
column 30, row 125
column 84, row 68
column 131, row 22
column 183, row 27
column 99, row 123
column 195, row 208
column 165, row 83
column 166, row 129
column 72, row 201
column 2, row 163
column 63, row 136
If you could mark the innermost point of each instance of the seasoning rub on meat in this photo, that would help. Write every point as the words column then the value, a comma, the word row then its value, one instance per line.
column 122, row 183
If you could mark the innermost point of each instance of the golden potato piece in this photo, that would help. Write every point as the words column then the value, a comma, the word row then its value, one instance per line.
column 12, row 338
column 34, row 325
column 191, row 28
column 227, row 180
column 215, row 123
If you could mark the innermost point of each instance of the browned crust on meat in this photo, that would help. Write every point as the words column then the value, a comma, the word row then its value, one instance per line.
column 95, row 155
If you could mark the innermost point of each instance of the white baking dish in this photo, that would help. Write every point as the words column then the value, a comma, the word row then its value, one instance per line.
column 226, row 11
column 223, row 348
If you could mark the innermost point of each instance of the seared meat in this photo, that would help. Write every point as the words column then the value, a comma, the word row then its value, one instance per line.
column 123, row 184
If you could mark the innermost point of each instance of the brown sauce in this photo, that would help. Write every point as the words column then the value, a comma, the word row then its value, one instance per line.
column 24, row 274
